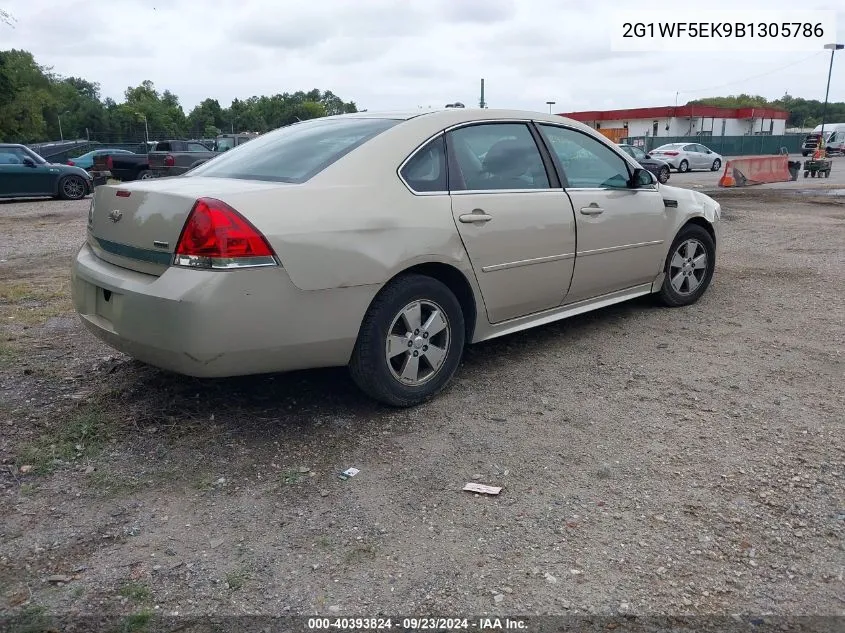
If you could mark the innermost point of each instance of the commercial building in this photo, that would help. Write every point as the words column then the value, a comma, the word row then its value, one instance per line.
column 687, row 120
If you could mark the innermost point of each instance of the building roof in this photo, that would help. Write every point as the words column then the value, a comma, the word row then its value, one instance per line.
column 686, row 112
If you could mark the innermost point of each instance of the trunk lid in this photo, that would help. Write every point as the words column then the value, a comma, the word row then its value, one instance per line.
column 136, row 225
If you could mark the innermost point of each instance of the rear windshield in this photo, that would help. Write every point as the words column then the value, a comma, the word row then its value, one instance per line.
column 294, row 153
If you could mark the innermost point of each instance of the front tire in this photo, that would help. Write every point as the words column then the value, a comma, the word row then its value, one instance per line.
column 716, row 164
column 663, row 175
column 683, row 167
column 689, row 267
column 72, row 188
column 410, row 343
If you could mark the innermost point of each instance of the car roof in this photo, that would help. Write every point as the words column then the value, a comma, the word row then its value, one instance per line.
column 452, row 116
column 10, row 145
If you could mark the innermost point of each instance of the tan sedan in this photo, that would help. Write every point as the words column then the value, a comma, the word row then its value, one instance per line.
column 385, row 243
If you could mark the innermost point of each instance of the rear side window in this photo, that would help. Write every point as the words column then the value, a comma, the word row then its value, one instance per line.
column 294, row 153
column 162, row 147
column 426, row 171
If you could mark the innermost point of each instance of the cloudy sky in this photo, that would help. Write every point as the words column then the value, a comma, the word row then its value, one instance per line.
column 399, row 54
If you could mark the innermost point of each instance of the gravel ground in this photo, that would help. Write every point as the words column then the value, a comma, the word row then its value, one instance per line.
column 653, row 461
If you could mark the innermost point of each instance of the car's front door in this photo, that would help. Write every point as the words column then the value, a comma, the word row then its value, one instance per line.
column 516, row 223
column 620, row 229
column 19, row 178
column 695, row 157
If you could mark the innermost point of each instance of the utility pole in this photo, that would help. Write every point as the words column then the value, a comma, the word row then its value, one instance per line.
column 833, row 48
column 550, row 104
column 481, row 102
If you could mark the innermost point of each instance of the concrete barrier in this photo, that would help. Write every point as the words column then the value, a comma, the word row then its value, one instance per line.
column 755, row 170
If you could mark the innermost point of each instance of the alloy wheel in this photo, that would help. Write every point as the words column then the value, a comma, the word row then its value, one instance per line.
column 417, row 342
column 688, row 267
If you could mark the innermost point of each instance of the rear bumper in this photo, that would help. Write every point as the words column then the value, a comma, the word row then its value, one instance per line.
column 217, row 323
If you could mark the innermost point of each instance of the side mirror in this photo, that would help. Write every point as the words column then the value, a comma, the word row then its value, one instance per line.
column 641, row 178
column 648, row 155
column 29, row 162
column 709, row 152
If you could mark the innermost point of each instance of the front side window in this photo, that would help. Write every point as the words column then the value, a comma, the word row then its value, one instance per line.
column 496, row 157
column 586, row 162
column 294, row 153
column 17, row 155
column 426, row 171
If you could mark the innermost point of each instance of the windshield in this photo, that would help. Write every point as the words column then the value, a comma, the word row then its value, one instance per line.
column 294, row 153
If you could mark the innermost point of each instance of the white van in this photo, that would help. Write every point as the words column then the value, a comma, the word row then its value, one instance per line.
column 834, row 134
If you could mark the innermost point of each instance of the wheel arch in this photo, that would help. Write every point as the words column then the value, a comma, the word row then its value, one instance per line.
column 703, row 223
column 455, row 281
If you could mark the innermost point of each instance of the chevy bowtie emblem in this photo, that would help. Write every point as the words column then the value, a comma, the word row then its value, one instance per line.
column 115, row 215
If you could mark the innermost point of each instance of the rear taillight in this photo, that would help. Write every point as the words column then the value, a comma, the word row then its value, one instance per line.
column 217, row 236
column 71, row 163
column 109, row 163
column 169, row 161
column 670, row 153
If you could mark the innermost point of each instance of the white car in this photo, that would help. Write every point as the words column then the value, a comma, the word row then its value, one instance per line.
column 685, row 157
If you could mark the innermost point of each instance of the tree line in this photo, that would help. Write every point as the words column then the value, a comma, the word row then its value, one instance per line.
column 802, row 112
column 38, row 105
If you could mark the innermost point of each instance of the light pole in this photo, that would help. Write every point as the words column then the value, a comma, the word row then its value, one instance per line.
column 550, row 104
column 59, row 117
column 833, row 48
column 146, row 128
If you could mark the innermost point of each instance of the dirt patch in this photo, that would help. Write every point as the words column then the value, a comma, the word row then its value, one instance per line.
column 653, row 460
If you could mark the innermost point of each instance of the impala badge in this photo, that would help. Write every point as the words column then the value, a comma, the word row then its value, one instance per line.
column 115, row 215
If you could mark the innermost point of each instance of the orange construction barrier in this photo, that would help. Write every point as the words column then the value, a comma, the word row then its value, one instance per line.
column 755, row 170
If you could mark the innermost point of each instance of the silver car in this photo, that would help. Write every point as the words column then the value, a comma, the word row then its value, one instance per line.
column 685, row 157
column 384, row 242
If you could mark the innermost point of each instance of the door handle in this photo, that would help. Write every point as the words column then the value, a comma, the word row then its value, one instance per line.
column 477, row 215
column 593, row 209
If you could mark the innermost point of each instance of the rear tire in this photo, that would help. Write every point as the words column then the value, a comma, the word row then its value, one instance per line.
column 689, row 267
column 410, row 343
column 683, row 167
column 144, row 174
column 72, row 188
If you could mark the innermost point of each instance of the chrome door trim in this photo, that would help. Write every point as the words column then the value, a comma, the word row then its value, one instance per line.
column 527, row 262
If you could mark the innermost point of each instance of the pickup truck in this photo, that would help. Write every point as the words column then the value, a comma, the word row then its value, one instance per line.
column 125, row 167
column 174, row 158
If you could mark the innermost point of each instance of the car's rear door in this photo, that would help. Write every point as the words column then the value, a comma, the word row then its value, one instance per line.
column 620, row 229
column 516, row 223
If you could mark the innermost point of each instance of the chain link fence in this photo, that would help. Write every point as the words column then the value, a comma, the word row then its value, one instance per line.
column 727, row 145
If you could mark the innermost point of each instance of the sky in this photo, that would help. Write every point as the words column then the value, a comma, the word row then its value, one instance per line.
column 403, row 54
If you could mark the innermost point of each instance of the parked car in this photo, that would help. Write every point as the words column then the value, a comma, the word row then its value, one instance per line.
column 86, row 161
column 688, row 156
column 659, row 168
column 125, row 167
column 345, row 240
column 23, row 173
column 174, row 158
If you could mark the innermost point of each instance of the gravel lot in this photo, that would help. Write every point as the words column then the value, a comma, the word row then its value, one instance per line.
column 653, row 461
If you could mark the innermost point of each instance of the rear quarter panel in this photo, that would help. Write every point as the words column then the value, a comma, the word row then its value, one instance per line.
column 356, row 223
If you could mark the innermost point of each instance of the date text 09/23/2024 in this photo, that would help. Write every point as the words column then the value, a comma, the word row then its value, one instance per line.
column 416, row 624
